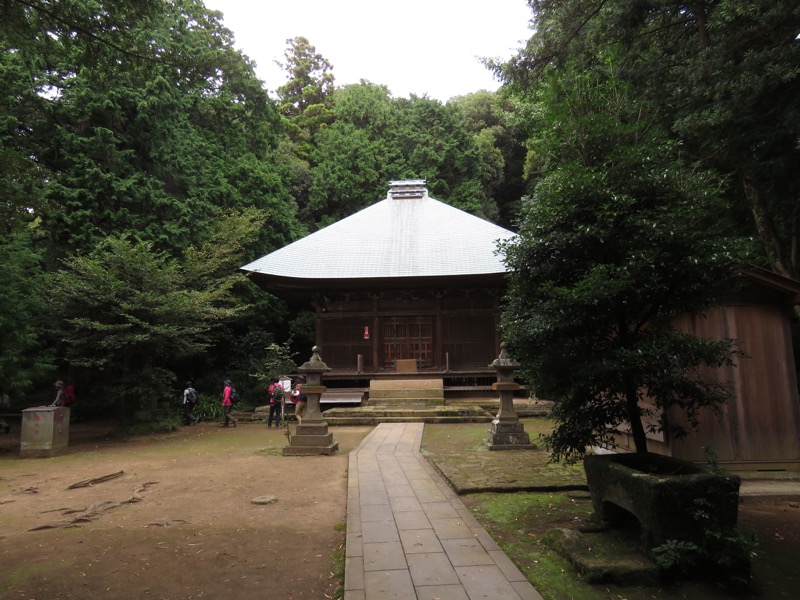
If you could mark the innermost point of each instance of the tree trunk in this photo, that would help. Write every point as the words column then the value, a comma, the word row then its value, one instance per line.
column 766, row 231
column 634, row 417
column 769, row 237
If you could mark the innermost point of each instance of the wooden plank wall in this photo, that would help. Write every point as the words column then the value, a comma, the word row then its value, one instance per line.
column 760, row 427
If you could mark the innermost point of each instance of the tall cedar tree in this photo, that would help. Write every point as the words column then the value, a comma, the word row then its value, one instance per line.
column 142, row 118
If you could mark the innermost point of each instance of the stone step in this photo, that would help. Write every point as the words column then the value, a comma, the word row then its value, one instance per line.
column 375, row 420
column 427, row 391
column 391, row 409
column 405, row 394
column 370, row 415
column 405, row 384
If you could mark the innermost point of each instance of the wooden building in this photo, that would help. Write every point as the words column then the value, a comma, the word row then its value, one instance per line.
column 408, row 285
column 759, row 429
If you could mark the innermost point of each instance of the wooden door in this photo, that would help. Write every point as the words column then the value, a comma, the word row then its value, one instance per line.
column 407, row 338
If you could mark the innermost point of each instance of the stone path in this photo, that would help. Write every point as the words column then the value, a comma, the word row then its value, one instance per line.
column 409, row 537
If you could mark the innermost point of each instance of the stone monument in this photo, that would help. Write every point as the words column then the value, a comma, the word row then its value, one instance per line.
column 507, row 432
column 311, row 436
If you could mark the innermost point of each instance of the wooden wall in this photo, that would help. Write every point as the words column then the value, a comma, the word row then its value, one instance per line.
column 760, row 427
column 440, row 328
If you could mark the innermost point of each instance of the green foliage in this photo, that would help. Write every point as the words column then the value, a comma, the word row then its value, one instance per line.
column 129, row 312
column 712, row 460
column 376, row 139
column 310, row 81
column 24, row 357
column 723, row 553
column 618, row 239
column 276, row 360
column 209, row 408
column 490, row 118
column 722, row 76
column 302, row 334
column 139, row 123
column 163, row 424
column 148, row 126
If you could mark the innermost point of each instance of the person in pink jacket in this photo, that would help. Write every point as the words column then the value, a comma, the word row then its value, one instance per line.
column 227, row 404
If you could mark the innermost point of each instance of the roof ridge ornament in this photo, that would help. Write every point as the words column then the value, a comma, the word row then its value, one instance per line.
column 407, row 189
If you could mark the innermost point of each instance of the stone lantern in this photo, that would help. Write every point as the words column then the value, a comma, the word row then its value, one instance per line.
column 507, row 432
column 311, row 436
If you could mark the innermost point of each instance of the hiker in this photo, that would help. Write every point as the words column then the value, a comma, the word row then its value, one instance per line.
column 5, row 403
column 275, row 403
column 69, row 395
column 60, row 396
column 299, row 399
column 190, row 399
column 227, row 403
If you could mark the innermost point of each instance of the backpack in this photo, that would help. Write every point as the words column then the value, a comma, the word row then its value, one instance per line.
column 191, row 396
column 69, row 396
column 277, row 393
column 234, row 396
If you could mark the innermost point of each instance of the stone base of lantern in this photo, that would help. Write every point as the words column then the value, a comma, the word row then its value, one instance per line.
column 311, row 439
column 509, row 436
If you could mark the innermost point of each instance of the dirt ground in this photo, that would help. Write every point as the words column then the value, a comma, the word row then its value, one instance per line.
column 176, row 519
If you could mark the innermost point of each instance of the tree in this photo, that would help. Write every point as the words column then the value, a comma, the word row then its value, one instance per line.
column 617, row 240
column 306, row 98
column 131, row 313
column 437, row 146
column 376, row 139
column 142, row 119
column 724, row 77
column 354, row 158
column 490, row 118
column 24, row 356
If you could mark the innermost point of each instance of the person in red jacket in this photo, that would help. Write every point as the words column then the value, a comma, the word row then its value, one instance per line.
column 227, row 404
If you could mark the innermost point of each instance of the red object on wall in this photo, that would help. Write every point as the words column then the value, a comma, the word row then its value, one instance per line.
column 366, row 333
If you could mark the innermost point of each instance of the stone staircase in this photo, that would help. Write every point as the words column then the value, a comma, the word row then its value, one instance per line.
column 406, row 391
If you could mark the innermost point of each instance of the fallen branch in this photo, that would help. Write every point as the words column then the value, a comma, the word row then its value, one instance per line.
column 93, row 480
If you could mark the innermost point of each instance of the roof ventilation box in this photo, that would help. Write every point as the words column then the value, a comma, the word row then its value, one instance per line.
column 409, row 189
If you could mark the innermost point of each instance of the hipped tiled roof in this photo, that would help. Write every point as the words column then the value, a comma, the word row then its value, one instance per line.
column 396, row 237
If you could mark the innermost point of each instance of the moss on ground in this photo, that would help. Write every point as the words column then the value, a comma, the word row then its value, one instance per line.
column 463, row 458
column 518, row 520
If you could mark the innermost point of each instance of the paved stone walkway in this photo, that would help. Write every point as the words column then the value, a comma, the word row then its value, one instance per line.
column 409, row 537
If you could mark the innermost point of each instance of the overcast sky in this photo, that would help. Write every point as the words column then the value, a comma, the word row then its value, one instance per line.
column 422, row 47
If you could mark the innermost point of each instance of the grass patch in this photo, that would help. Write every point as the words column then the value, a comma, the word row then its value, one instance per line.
column 461, row 455
column 338, row 563
column 271, row 451
column 519, row 521
column 446, row 439
column 18, row 578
